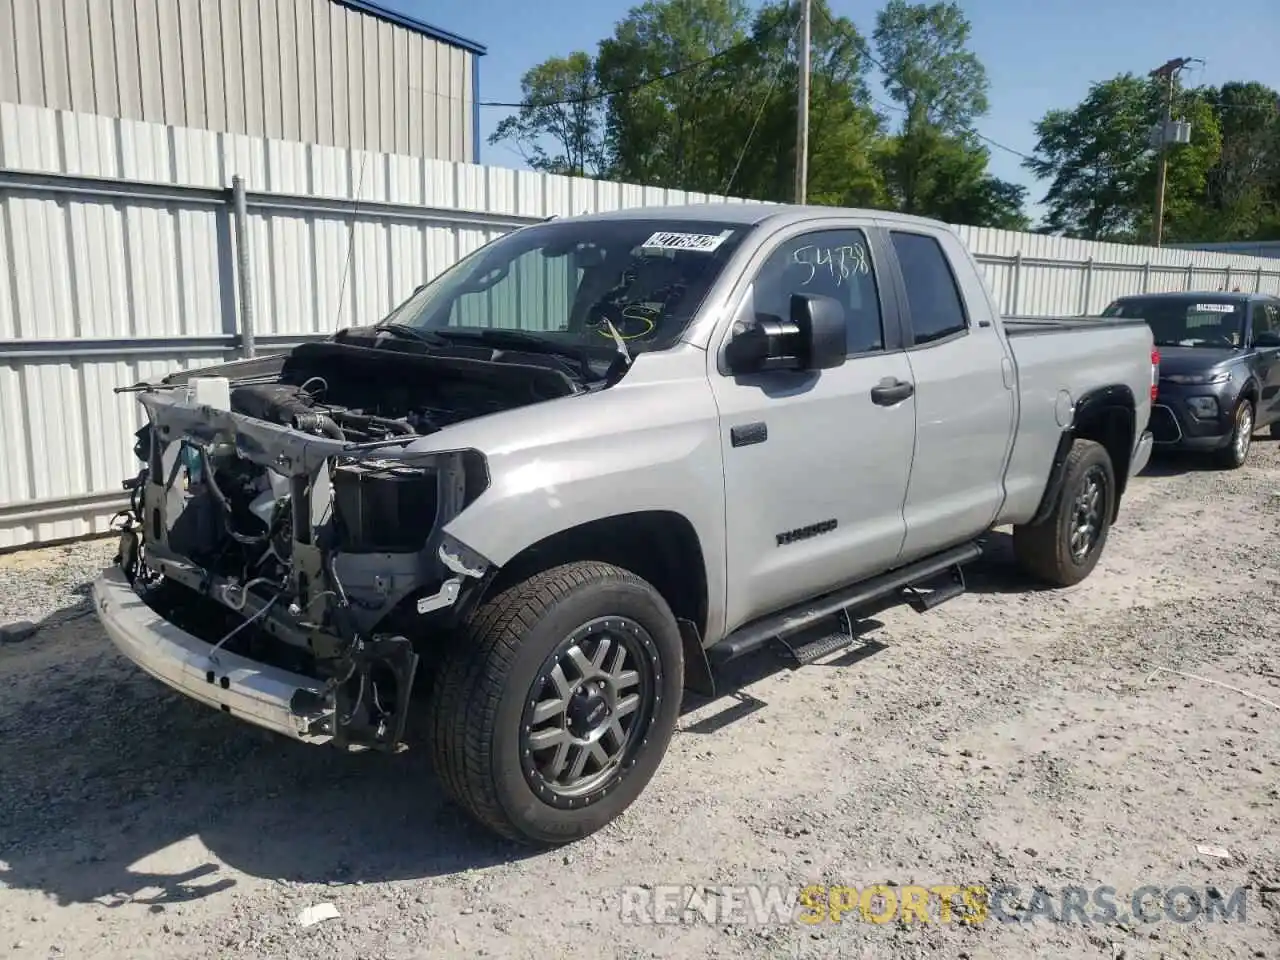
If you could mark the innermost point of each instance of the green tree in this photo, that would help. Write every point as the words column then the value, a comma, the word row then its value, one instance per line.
column 934, row 166
column 728, row 125
column 933, row 174
column 928, row 67
column 673, row 132
column 844, row 132
column 1099, row 161
column 559, row 128
column 701, row 95
column 1094, row 157
column 1242, row 197
column 1186, row 215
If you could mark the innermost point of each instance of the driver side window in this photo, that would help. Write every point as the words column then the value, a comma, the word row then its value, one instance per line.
column 1265, row 320
column 830, row 263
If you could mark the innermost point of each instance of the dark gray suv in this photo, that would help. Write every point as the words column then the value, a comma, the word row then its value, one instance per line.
column 1219, row 368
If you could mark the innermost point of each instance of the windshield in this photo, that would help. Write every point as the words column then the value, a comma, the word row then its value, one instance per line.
column 1194, row 321
column 580, row 284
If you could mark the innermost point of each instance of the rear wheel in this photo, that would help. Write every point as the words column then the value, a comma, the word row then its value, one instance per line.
column 1064, row 548
column 1234, row 454
column 554, row 709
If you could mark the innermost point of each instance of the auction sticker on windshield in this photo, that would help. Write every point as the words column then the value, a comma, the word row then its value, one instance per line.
column 702, row 242
column 1213, row 308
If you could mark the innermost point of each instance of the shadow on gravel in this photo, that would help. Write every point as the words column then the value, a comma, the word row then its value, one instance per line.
column 118, row 790
column 1173, row 464
column 737, row 703
column 997, row 571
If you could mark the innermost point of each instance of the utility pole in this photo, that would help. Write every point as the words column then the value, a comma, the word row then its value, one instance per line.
column 802, row 112
column 1165, row 136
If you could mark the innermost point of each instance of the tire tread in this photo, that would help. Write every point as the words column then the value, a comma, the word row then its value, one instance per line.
column 1226, row 457
column 473, row 678
column 1040, row 548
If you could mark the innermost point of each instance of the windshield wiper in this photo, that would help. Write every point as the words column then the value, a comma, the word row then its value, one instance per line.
column 516, row 339
column 500, row 337
column 408, row 332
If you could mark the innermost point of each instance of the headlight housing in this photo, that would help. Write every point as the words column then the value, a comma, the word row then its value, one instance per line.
column 1196, row 379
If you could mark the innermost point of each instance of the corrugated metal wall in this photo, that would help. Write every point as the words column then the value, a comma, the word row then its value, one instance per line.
column 307, row 70
column 1250, row 248
column 1034, row 274
column 117, row 264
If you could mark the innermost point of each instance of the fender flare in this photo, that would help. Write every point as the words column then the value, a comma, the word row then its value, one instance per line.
column 1250, row 386
column 1117, row 397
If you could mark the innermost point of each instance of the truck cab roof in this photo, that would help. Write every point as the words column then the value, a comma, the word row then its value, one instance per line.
column 753, row 214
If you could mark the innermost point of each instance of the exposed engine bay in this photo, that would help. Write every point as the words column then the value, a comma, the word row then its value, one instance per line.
column 283, row 513
column 358, row 394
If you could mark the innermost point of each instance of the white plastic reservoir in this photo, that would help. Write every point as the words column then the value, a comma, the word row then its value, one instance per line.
column 210, row 392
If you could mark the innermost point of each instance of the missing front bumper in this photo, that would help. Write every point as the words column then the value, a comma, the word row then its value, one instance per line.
column 291, row 704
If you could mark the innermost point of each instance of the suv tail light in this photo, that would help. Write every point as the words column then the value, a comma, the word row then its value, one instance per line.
column 1155, row 373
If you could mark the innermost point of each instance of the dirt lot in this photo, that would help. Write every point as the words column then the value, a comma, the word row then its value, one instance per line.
column 1008, row 737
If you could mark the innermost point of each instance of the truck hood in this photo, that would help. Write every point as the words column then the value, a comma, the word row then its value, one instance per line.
column 359, row 387
column 1184, row 360
column 543, row 413
column 458, row 360
column 356, row 392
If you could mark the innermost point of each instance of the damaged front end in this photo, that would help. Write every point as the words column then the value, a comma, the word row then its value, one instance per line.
column 305, row 537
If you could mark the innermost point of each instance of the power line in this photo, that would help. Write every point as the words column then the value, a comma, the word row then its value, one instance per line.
column 755, row 42
column 983, row 137
column 996, row 143
column 768, row 95
column 621, row 91
column 893, row 106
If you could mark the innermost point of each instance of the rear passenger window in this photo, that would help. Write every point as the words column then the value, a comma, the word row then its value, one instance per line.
column 932, row 295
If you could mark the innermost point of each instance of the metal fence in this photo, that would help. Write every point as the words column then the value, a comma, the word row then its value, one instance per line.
column 130, row 249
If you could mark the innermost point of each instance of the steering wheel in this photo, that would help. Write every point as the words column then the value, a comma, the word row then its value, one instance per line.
column 632, row 322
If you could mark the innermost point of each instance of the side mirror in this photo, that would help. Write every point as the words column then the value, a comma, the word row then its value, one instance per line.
column 813, row 338
column 1268, row 339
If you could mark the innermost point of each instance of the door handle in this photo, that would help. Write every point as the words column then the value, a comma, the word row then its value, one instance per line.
column 890, row 392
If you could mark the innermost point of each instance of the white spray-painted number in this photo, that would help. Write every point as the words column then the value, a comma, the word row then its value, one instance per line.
column 841, row 262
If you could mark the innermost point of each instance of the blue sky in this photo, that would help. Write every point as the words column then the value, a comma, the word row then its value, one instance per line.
column 1039, row 54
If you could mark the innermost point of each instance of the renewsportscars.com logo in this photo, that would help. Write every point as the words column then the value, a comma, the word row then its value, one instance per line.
column 969, row 904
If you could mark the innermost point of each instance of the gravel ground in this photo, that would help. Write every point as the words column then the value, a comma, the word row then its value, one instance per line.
column 1008, row 737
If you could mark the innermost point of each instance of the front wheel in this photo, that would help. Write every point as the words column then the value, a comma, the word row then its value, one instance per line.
column 556, row 705
column 1064, row 548
column 1234, row 454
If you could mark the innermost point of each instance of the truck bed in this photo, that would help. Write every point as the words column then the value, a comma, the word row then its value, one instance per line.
column 1057, row 361
column 1027, row 326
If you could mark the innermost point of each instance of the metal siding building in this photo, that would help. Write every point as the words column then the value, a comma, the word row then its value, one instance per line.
column 344, row 73
column 1249, row 248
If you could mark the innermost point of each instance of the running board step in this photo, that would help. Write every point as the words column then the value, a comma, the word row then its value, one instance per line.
column 822, row 644
column 938, row 594
column 846, row 600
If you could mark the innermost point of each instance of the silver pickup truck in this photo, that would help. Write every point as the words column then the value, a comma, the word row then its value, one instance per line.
column 590, row 463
